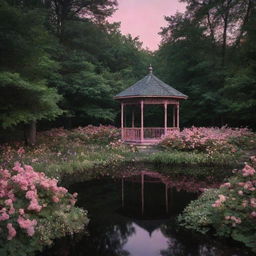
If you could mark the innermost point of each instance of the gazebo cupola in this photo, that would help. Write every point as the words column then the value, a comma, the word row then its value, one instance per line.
column 149, row 91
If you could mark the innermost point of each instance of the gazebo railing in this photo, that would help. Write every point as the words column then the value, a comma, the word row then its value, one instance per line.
column 153, row 132
column 132, row 134
column 150, row 133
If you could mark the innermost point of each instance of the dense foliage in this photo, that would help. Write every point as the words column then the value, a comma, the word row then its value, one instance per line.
column 63, row 59
column 209, row 53
column 230, row 210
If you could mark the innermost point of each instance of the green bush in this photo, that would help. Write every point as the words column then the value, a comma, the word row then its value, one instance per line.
column 230, row 210
column 198, row 214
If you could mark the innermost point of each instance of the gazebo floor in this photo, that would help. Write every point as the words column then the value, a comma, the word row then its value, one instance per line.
column 145, row 142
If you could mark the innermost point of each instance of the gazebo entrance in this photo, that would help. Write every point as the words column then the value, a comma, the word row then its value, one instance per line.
column 149, row 91
column 142, row 134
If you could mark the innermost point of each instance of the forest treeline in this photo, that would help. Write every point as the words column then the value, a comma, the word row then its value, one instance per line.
column 61, row 63
column 209, row 53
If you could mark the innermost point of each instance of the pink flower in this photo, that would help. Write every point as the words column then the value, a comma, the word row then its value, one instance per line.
column 236, row 219
column 8, row 202
column 253, row 214
column 219, row 201
column 248, row 170
column 55, row 199
column 31, row 194
column 21, row 211
column 253, row 202
column 244, row 203
column 28, row 225
column 4, row 215
column 11, row 231
column 240, row 192
column 5, row 173
column 12, row 210
column 222, row 198
column 34, row 206
column 21, row 151
column 226, row 185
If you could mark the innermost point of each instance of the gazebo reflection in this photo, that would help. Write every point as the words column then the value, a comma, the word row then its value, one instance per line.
column 146, row 177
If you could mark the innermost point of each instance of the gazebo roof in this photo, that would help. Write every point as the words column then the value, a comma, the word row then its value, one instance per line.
column 148, row 86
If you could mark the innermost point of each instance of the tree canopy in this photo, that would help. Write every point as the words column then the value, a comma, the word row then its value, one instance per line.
column 63, row 60
column 208, row 52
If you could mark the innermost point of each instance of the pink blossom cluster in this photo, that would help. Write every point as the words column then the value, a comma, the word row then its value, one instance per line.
column 235, row 220
column 204, row 138
column 34, row 190
column 90, row 131
column 101, row 131
column 27, row 224
column 219, row 201
column 248, row 170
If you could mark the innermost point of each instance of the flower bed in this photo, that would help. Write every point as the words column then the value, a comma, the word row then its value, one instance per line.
column 230, row 210
column 60, row 152
column 34, row 210
column 209, row 140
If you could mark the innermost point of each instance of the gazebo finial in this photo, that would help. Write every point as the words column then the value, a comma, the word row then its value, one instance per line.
column 150, row 68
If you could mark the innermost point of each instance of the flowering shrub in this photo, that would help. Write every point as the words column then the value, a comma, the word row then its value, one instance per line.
column 208, row 140
column 97, row 134
column 59, row 152
column 232, row 213
column 34, row 210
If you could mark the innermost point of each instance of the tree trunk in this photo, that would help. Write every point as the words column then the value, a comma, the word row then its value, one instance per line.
column 244, row 23
column 30, row 134
column 224, row 35
column 224, row 43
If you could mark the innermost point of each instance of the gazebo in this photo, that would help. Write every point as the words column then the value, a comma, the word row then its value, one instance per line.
column 149, row 91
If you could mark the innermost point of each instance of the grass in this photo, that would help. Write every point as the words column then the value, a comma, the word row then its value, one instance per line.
column 182, row 158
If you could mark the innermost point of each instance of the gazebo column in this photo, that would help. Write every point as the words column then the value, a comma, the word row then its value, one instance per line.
column 122, row 121
column 133, row 117
column 178, row 116
column 174, row 116
column 142, row 121
column 165, row 118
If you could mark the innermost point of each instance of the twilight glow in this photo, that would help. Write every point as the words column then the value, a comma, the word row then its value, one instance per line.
column 144, row 18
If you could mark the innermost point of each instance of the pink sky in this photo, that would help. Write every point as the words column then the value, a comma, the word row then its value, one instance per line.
column 144, row 18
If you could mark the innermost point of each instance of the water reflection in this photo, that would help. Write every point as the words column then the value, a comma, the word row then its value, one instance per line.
column 135, row 216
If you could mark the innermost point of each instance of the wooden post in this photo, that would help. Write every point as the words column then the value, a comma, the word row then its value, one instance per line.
column 142, row 120
column 165, row 118
column 125, row 117
column 133, row 117
column 122, row 121
column 174, row 116
column 178, row 116
column 142, row 193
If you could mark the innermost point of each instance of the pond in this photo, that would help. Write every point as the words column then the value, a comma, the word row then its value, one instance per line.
column 136, row 216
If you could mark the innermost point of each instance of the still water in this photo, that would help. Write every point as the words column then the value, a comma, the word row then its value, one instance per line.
column 129, row 217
